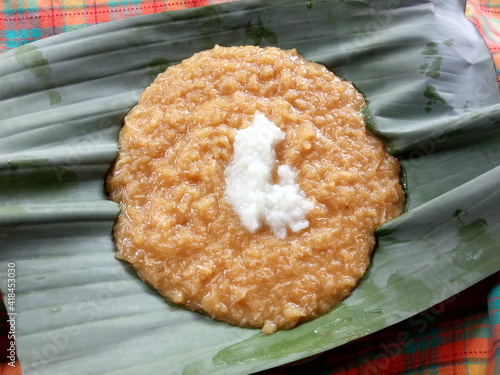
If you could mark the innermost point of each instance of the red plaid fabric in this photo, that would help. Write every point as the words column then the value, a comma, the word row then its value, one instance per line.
column 6, row 341
column 454, row 337
column 24, row 21
column 485, row 14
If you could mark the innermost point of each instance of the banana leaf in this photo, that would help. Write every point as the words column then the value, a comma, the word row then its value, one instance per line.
column 433, row 98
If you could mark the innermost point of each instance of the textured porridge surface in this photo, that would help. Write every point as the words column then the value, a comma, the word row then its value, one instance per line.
column 180, row 233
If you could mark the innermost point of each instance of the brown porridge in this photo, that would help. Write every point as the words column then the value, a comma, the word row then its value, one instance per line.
column 180, row 232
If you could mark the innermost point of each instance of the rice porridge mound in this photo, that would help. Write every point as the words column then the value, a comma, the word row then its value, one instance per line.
column 177, row 227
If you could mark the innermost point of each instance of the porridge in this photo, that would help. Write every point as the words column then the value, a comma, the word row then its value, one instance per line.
column 266, row 241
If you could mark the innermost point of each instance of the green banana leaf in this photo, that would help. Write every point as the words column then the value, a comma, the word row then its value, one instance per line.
column 431, row 85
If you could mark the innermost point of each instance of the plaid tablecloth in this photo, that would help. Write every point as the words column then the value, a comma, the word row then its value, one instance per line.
column 24, row 21
column 485, row 14
column 460, row 336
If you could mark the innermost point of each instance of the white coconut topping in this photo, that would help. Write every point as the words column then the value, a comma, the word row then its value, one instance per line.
column 248, row 177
